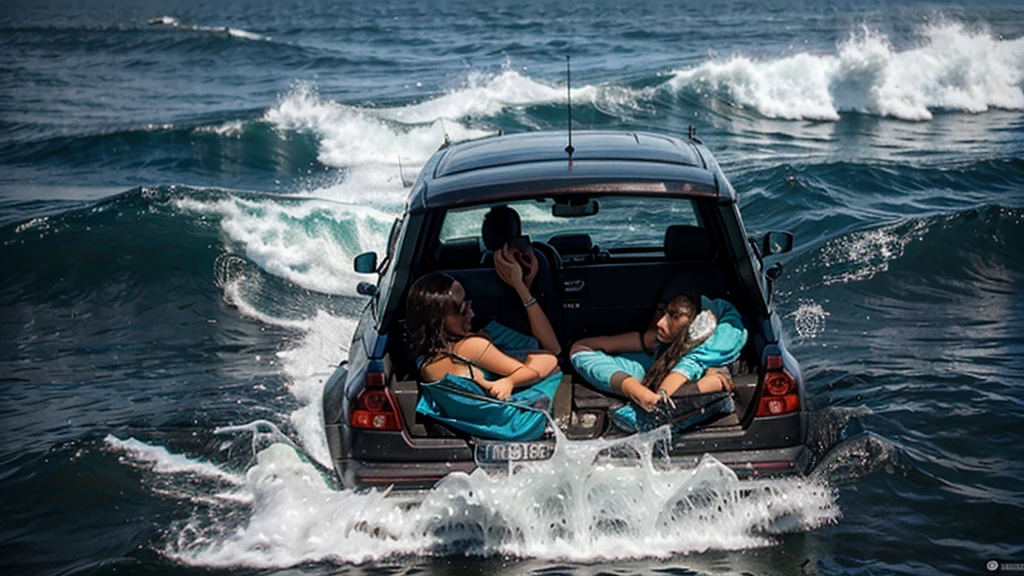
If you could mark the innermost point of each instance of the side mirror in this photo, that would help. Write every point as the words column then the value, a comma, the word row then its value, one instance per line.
column 366, row 263
column 776, row 243
column 366, row 289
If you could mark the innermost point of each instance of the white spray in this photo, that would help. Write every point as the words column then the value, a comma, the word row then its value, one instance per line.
column 580, row 505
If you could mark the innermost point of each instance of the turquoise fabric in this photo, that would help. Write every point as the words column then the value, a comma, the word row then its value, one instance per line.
column 598, row 367
column 462, row 404
column 511, row 342
column 720, row 349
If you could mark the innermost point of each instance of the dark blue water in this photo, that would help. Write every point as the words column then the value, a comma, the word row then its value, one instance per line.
column 183, row 186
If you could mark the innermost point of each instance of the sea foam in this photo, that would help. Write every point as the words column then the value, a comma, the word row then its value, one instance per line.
column 378, row 148
column 164, row 462
column 952, row 68
column 375, row 153
column 173, row 22
column 308, row 364
column 310, row 243
column 574, row 506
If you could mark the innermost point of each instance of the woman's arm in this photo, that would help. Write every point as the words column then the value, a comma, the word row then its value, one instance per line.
column 544, row 363
column 617, row 344
column 482, row 353
column 621, row 382
column 511, row 273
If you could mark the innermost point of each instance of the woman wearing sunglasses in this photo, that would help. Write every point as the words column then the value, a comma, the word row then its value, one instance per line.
column 685, row 352
column 439, row 315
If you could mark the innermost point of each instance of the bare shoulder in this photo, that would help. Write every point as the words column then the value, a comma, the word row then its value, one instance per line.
column 472, row 347
column 436, row 369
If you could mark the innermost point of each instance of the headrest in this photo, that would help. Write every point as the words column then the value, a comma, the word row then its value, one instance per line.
column 572, row 243
column 683, row 242
column 459, row 253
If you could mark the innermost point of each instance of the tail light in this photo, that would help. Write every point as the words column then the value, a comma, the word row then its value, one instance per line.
column 375, row 407
column 779, row 393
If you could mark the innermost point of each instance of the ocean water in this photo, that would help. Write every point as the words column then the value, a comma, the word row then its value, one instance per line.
column 183, row 185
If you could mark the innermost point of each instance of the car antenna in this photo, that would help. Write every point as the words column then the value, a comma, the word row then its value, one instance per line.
column 568, row 107
column 693, row 135
column 401, row 174
column 447, row 138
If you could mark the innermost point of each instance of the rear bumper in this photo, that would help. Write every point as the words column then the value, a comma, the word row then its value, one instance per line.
column 404, row 476
column 771, row 446
column 421, row 475
column 756, row 463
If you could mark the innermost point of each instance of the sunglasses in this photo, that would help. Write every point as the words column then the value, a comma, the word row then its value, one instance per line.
column 465, row 306
column 675, row 314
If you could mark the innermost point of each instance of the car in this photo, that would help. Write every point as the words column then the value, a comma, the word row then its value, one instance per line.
column 622, row 219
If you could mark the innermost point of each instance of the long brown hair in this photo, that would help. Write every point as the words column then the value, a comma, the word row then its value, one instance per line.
column 430, row 300
column 689, row 305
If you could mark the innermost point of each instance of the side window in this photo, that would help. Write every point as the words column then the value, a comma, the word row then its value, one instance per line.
column 464, row 223
column 388, row 270
column 393, row 236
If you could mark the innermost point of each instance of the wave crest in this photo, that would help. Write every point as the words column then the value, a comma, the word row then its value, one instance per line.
column 953, row 69
column 173, row 22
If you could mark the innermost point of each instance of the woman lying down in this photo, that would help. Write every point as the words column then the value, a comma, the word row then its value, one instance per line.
column 685, row 352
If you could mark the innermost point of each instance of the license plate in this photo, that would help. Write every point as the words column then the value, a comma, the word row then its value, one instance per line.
column 495, row 452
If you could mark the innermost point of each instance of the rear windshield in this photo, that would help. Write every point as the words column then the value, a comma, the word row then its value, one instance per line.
column 621, row 222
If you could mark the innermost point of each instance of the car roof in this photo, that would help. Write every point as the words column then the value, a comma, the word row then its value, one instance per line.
column 510, row 167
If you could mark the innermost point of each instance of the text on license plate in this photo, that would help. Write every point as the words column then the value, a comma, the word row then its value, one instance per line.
column 513, row 451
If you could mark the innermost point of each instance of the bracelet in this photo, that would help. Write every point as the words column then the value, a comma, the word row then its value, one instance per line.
column 529, row 302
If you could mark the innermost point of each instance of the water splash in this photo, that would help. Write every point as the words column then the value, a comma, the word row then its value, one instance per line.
column 862, row 255
column 308, row 363
column 953, row 68
column 808, row 319
column 309, row 243
column 857, row 457
column 163, row 461
column 173, row 22
column 593, row 500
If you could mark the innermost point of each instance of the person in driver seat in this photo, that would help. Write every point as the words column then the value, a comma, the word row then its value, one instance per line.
column 512, row 253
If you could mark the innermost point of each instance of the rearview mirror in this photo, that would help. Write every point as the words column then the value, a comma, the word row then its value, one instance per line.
column 574, row 207
column 366, row 263
column 776, row 243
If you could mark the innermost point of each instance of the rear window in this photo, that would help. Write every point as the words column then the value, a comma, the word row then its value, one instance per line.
column 621, row 223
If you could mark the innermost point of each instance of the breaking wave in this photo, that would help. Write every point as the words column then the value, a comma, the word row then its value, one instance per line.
column 173, row 22
column 953, row 68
